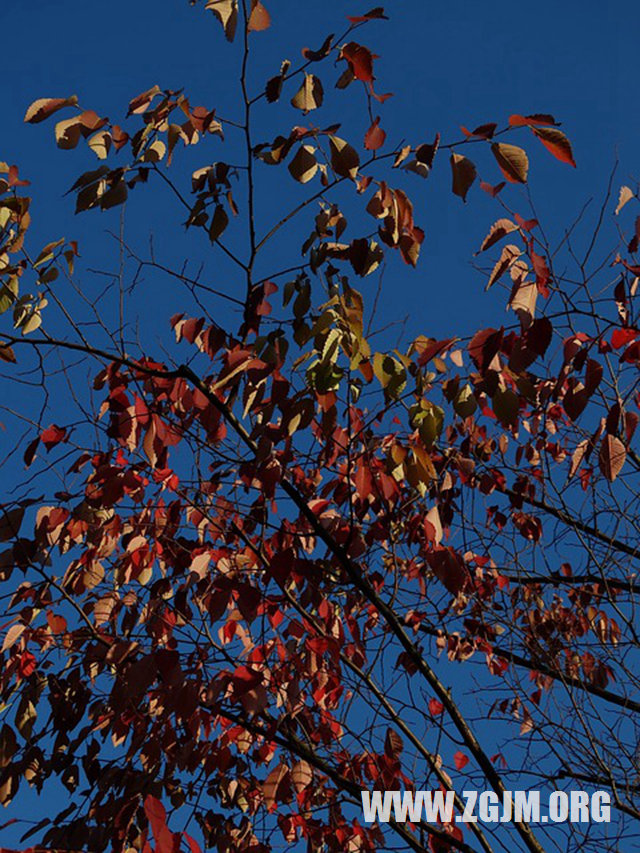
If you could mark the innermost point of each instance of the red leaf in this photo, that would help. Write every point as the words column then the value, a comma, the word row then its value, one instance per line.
column 156, row 814
column 374, row 138
column 622, row 337
column 14, row 180
column 537, row 119
column 460, row 760
column 435, row 708
column 484, row 346
column 53, row 435
column 26, row 664
column 360, row 61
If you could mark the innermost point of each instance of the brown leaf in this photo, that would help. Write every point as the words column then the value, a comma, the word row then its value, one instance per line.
column 513, row 162
column 141, row 102
column 10, row 523
column 316, row 55
column 498, row 230
column 344, row 158
column 310, row 95
column 577, row 456
column 273, row 89
column 556, row 142
column 259, row 19
column 378, row 12
column 463, row 175
column 226, row 11
column 510, row 254
column 7, row 354
column 374, row 138
column 393, row 744
column 219, row 222
column 44, row 107
column 304, row 165
column 612, row 457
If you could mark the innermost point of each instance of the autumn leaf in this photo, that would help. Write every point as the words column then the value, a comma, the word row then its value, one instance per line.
column 517, row 120
column 460, row 760
column 7, row 354
column 626, row 194
column 393, row 744
column 612, row 457
column 259, row 18
column 508, row 257
column 10, row 521
column 53, row 435
column 344, row 158
column 360, row 60
column 435, row 708
column 310, row 95
column 226, row 11
column 374, row 138
column 556, row 142
column 463, row 174
column 498, row 230
column 372, row 15
column 304, row 165
column 44, row 107
column 512, row 160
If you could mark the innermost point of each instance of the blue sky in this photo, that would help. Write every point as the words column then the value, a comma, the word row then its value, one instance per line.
column 467, row 63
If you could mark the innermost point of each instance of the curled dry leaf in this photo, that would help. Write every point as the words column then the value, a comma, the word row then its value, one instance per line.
column 625, row 196
column 463, row 175
column 512, row 160
column 556, row 142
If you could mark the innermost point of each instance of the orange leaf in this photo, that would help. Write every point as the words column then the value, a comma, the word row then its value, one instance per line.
column 259, row 19
column 555, row 140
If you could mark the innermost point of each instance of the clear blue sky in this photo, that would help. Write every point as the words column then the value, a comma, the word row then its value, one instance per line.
column 449, row 64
